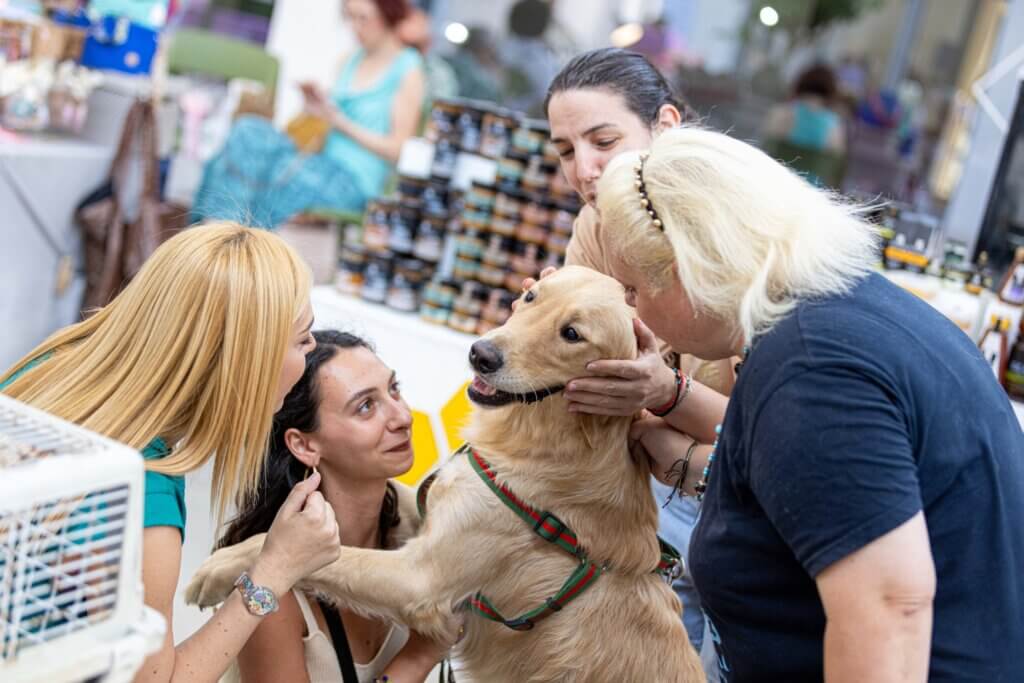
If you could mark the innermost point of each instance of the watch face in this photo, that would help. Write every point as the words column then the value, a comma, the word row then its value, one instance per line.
column 260, row 601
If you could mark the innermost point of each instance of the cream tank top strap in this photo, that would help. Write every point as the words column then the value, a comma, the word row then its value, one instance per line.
column 321, row 661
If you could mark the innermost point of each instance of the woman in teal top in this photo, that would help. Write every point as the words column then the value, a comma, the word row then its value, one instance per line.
column 374, row 107
column 806, row 133
column 188, row 364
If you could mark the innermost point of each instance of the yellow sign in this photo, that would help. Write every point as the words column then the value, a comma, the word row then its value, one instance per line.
column 426, row 445
column 454, row 415
column 424, row 448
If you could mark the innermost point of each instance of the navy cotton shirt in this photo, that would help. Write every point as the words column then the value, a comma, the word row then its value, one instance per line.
column 849, row 417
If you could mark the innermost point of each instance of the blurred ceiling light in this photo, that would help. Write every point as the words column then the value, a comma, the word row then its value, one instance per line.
column 768, row 16
column 456, row 33
column 627, row 35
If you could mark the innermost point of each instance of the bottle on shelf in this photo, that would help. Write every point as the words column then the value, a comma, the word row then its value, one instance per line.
column 1014, row 377
column 993, row 347
column 1011, row 289
column 981, row 278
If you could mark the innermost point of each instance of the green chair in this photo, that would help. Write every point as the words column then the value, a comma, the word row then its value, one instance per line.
column 822, row 167
column 195, row 51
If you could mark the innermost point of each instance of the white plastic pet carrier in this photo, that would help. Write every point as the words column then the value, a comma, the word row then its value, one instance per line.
column 70, row 553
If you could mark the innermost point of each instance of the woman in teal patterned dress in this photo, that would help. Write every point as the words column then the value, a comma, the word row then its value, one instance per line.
column 262, row 178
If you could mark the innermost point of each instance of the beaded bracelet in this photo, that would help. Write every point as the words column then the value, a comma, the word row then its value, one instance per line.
column 683, row 466
column 683, row 385
column 701, row 486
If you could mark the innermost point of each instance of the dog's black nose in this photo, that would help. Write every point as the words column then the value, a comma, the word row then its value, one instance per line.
column 485, row 357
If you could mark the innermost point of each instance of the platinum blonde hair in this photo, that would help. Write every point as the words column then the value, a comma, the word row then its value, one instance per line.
column 748, row 237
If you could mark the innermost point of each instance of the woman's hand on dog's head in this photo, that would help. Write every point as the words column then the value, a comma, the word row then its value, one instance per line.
column 625, row 387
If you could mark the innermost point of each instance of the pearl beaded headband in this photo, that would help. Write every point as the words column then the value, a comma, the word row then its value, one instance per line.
column 645, row 201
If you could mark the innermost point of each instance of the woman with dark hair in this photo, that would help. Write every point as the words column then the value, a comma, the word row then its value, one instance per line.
column 603, row 103
column 808, row 119
column 346, row 419
column 374, row 106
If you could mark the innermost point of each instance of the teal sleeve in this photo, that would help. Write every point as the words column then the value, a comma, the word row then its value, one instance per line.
column 164, row 503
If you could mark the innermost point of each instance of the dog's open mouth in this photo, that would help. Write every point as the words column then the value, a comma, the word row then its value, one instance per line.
column 484, row 394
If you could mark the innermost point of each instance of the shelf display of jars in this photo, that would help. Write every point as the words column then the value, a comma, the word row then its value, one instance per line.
column 459, row 257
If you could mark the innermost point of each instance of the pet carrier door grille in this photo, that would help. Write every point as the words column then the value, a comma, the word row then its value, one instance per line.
column 60, row 565
column 70, row 553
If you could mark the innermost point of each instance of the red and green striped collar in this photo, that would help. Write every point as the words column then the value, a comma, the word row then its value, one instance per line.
column 551, row 529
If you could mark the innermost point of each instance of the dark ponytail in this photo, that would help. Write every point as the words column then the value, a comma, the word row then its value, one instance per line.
column 642, row 87
column 282, row 471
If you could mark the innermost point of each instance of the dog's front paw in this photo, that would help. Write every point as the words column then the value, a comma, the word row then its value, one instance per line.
column 215, row 579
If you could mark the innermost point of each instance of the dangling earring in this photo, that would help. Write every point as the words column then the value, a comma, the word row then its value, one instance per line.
column 310, row 470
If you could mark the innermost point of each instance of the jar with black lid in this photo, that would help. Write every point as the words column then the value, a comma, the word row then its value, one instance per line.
column 376, row 278
column 446, row 154
column 408, row 277
column 377, row 224
column 504, row 225
column 538, row 175
column 481, row 195
column 351, row 265
column 510, row 171
column 509, row 204
column 411, row 188
column 429, row 244
column 528, row 233
column 404, row 221
column 469, row 124
column 530, row 136
column 443, row 121
column 498, row 251
column 537, row 211
column 435, row 198
column 498, row 126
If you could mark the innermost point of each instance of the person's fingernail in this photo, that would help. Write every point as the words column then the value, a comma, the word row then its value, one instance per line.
column 571, row 387
column 590, row 366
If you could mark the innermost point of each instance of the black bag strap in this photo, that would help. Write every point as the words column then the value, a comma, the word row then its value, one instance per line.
column 340, row 641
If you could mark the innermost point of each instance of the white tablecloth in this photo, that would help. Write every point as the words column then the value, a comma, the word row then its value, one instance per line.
column 41, row 183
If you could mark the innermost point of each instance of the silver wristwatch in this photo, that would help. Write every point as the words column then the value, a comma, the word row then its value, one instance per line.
column 259, row 600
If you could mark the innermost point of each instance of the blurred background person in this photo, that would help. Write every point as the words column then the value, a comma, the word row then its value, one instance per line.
column 374, row 106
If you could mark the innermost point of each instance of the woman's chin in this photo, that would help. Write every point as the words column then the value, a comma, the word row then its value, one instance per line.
column 399, row 462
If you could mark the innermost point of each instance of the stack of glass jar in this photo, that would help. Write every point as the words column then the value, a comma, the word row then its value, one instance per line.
column 507, row 231
column 502, row 233
column 400, row 246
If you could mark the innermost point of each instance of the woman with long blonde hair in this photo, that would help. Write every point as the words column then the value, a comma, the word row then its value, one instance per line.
column 863, row 498
column 189, row 363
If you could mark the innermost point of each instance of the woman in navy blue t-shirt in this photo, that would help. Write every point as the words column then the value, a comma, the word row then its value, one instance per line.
column 863, row 498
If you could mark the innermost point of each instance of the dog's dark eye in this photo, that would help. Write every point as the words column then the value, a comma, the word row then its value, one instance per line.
column 570, row 334
column 530, row 296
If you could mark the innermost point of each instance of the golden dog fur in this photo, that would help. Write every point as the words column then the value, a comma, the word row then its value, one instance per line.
column 626, row 627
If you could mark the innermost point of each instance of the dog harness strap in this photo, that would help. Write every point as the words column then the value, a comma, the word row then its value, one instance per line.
column 579, row 581
column 424, row 488
column 421, row 495
column 544, row 524
column 551, row 529
column 670, row 566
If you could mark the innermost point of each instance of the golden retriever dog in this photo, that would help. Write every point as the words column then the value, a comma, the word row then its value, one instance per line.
column 625, row 627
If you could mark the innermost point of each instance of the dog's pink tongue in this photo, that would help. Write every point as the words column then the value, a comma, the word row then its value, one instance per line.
column 482, row 387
